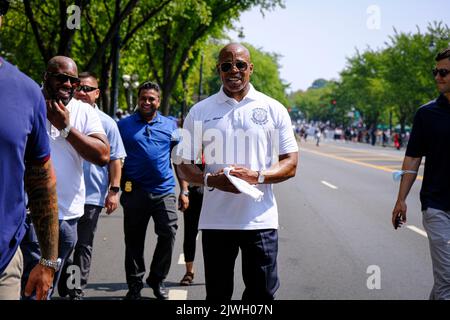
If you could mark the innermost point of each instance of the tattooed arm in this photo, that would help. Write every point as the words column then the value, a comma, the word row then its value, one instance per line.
column 40, row 184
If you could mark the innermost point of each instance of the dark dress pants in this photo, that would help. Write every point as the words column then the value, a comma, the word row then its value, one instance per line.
column 139, row 206
column 259, row 249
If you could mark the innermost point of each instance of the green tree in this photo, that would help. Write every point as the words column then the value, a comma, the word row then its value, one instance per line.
column 176, row 37
column 36, row 31
column 362, row 86
column 316, row 102
column 408, row 61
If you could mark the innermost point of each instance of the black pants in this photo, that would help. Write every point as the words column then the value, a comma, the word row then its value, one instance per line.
column 82, row 255
column 191, row 217
column 259, row 249
column 138, row 207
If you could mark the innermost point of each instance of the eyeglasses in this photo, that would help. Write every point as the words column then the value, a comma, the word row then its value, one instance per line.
column 85, row 89
column 4, row 6
column 227, row 66
column 442, row 72
column 63, row 78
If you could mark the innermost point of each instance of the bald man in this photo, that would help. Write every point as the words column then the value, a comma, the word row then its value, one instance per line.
column 257, row 141
column 76, row 134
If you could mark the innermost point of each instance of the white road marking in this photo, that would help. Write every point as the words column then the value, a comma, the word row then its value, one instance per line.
column 417, row 230
column 175, row 294
column 329, row 185
column 181, row 259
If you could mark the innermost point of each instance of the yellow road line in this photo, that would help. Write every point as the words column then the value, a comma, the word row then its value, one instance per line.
column 376, row 159
column 368, row 165
column 395, row 166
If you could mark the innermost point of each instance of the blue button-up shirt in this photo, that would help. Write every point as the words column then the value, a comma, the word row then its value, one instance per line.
column 148, row 146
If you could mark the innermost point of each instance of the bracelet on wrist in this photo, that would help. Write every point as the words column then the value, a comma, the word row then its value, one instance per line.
column 205, row 179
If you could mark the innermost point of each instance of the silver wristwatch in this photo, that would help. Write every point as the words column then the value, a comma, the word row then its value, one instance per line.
column 55, row 265
column 65, row 132
column 261, row 177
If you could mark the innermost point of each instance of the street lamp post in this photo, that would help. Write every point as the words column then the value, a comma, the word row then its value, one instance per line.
column 130, row 83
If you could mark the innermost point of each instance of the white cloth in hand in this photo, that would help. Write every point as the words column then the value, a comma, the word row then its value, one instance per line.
column 243, row 186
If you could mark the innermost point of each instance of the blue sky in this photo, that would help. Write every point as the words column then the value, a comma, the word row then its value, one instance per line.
column 315, row 37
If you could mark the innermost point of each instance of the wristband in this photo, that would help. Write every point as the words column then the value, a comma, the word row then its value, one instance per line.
column 205, row 179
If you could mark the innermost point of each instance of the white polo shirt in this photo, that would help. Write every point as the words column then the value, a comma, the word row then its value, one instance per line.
column 251, row 133
column 67, row 161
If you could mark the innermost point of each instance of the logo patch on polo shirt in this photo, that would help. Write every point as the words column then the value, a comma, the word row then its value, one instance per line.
column 259, row 116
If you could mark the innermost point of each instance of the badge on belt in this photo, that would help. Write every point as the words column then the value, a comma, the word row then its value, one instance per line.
column 128, row 186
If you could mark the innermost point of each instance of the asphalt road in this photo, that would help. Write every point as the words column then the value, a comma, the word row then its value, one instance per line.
column 335, row 237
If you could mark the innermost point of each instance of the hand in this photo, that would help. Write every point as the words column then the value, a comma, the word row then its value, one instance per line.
column 111, row 202
column 399, row 211
column 183, row 202
column 41, row 279
column 220, row 181
column 57, row 114
column 245, row 174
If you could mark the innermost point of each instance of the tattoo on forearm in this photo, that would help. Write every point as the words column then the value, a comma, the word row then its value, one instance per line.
column 40, row 185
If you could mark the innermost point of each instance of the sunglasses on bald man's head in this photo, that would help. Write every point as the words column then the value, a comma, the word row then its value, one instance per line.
column 4, row 6
column 85, row 89
column 63, row 78
column 442, row 72
column 227, row 66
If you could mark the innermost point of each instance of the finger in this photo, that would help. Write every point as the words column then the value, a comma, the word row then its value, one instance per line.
column 55, row 105
column 39, row 293
column 29, row 288
column 61, row 105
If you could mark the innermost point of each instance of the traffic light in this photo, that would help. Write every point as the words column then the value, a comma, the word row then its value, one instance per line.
column 333, row 102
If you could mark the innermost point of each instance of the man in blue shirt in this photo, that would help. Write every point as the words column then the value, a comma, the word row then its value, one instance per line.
column 148, row 191
column 102, row 188
column 25, row 164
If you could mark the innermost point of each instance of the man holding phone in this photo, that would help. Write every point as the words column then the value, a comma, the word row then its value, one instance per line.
column 430, row 139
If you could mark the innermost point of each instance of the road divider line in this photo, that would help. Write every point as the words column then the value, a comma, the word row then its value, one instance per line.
column 181, row 259
column 368, row 165
column 329, row 185
column 417, row 230
column 176, row 294
column 376, row 159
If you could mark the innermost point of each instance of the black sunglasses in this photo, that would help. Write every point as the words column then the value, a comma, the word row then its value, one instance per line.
column 85, row 89
column 61, row 77
column 4, row 6
column 227, row 66
column 442, row 72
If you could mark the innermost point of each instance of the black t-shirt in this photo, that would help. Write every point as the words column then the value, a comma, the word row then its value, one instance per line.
column 430, row 138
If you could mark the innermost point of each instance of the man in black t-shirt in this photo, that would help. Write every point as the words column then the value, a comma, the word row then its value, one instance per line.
column 430, row 138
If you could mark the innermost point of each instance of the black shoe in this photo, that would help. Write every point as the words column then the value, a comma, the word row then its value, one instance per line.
column 76, row 294
column 134, row 292
column 159, row 289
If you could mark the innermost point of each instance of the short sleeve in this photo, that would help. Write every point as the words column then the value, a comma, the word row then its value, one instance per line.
column 117, row 149
column 416, row 145
column 93, row 124
column 190, row 145
column 287, row 141
column 38, row 148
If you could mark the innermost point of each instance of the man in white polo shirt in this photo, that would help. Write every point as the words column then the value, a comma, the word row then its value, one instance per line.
column 75, row 133
column 245, row 129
